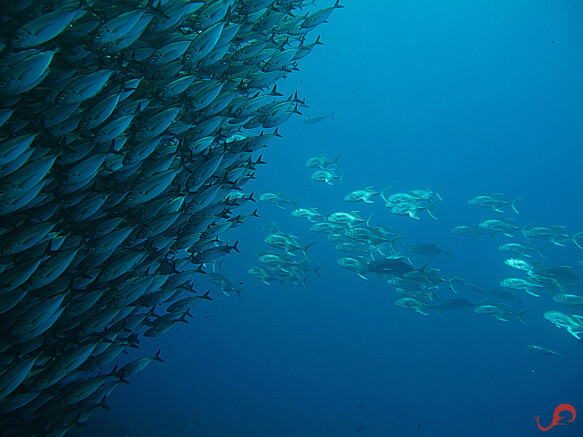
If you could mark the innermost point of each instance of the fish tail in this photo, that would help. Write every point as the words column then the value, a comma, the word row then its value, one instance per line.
column 369, row 217
column 102, row 403
column 393, row 240
column 157, row 357
column 520, row 314
column 513, row 204
column 295, row 202
column 206, row 295
column 317, row 271
column 383, row 193
column 430, row 209
column 540, row 251
column 335, row 161
column 450, row 282
column 438, row 193
column 305, row 250
column 574, row 239
column 422, row 269
column 274, row 92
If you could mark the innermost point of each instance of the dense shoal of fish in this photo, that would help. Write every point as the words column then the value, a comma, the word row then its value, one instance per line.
column 127, row 129
column 377, row 250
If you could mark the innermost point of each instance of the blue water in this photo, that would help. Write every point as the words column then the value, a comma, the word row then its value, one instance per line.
column 479, row 97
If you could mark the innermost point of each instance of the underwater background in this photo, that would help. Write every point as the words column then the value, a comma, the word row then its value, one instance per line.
column 478, row 97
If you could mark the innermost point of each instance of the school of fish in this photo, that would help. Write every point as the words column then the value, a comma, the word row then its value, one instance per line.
column 380, row 251
column 127, row 129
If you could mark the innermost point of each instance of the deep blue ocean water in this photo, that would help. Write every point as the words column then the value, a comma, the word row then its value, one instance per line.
column 479, row 97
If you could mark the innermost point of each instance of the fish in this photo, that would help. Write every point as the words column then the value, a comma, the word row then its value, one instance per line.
column 43, row 28
column 504, row 226
column 572, row 300
column 394, row 266
column 320, row 16
column 349, row 219
column 474, row 231
column 498, row 311
column 519, row 264
column 225, row 283
column 571, row 322
column 313, row 119
column 521, row 284
column 430, row 250
column 358, row 265
column 327, row 228
column 560, row 274
column 26, row 74
column 494, row 202
column 287, row 243
column 461, row 304
column 524, row 249
column 327, row 176
column 323, row 162
column 540, row 350
column 309, row 214
column 136, row 366
column 365, row 195
column 278, row 199
column 412, row 303
column 554, row 234
column 412, row 209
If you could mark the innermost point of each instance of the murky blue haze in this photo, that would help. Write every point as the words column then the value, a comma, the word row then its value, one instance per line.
column 479, row 97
